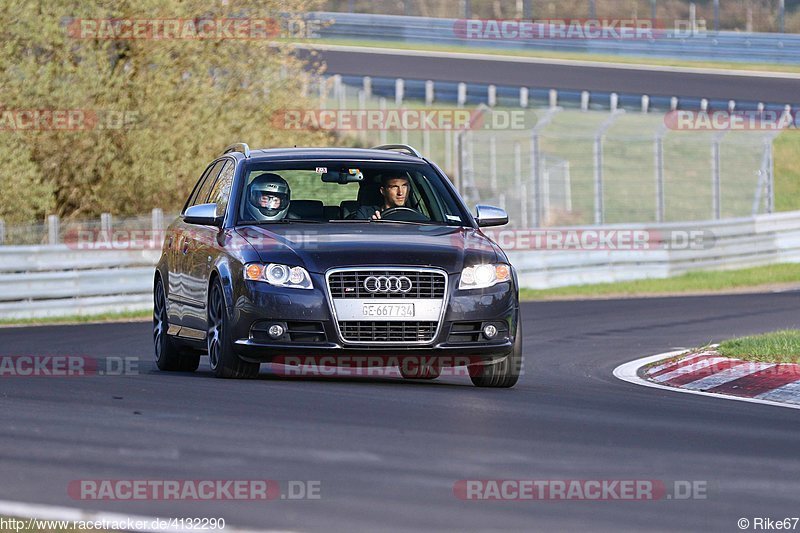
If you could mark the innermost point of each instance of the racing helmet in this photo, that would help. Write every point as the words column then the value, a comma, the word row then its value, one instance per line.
column 268, row 197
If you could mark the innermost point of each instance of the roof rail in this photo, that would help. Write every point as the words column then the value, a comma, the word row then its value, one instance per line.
column 238, row 147
column 399, row 148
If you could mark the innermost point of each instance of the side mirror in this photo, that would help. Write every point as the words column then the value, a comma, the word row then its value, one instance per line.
column 203, row 215
column 487, row 215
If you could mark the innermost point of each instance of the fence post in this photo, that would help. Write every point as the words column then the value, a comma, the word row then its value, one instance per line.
column 367, row 81
column 781, row 15
column 599, row 208
column 429, row 92
column 771, row 179
column 715, row 179
column 338, row 89
column 462, row 94
column 518, row 184
column 399, row 89
column 645, row 103
column 105, row 224
column 491, row 95
column 614, row 101
column 584, row 100
column 553, row 98
column 493, row 165
column 704, row 105
column 536, row 213
column 323, row 93
column 52, row 229
column 716, row 15
column 383, row 133
column 658, row 155
column 597, row 150
column 673, row 103
column 448, row 149
column 523, row 97
column 2, row 231
column 157, row 227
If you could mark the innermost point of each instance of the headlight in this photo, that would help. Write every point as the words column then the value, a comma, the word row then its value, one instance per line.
column 279, row 275
column 482, row 276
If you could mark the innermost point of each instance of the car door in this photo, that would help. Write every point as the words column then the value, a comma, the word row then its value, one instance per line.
column 202, row 249
column 179, row 242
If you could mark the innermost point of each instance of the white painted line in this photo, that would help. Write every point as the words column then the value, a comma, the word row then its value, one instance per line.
column 628, row 372
column 730, row 374
column 787, row 393
column 546, row 61
column 689, row 369
column 50, row 512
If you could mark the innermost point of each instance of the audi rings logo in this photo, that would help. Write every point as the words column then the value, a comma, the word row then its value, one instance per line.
column 387, row 284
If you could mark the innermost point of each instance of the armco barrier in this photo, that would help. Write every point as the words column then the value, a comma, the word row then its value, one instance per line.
column 725, row 45
column 41, row 281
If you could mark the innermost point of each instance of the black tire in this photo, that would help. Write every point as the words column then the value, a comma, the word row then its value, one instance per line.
column 223, row 360
column 168, row 357
column 413, row 369
column 504, row 374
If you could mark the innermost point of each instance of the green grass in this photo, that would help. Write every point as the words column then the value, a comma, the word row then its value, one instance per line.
column 777, row 347
column 78, row 319
column 692, row 282
column 786, row 154
column 548, row 54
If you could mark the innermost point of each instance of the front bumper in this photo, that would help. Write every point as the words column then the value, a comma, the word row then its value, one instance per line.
column 465, row 311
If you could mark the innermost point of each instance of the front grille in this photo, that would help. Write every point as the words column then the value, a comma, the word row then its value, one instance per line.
column 350, row 284
column 394, row 331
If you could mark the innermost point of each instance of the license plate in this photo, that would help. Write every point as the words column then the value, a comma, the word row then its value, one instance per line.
column 389, row 310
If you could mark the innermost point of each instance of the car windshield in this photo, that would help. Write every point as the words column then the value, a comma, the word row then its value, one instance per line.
column 346, row 191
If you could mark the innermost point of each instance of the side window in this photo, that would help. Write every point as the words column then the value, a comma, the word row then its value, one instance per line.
column 221, row 192
column 202, row 192
column 197, row 186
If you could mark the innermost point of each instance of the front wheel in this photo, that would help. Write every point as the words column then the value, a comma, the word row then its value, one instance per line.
column 503, row 374
column 223, row 360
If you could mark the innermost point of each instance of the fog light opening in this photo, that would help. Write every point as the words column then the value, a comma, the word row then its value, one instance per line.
column 276, row 331
column 489, row 331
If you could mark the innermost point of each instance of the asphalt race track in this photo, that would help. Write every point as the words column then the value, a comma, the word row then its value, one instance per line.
column 388, row 451
column 567, row 77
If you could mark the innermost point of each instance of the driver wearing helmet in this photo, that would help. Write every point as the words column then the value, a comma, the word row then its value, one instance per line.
column 268, row 198
column 394, row 190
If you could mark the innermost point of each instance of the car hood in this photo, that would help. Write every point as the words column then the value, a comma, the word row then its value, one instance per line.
column 319, row 247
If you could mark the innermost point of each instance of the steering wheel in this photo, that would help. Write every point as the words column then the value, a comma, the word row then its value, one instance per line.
column 403, row 214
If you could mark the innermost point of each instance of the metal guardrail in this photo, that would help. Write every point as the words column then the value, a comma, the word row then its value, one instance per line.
column 724, row 45
column 56, row 280
column 737, row 243
column 41, row 281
